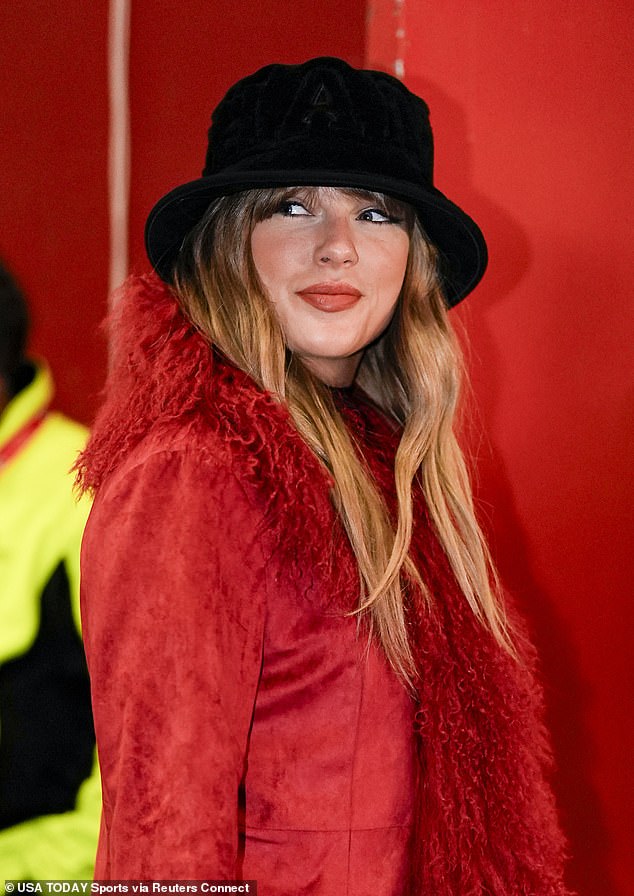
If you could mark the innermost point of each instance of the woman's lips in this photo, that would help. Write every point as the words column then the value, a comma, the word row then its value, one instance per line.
column 330, row 296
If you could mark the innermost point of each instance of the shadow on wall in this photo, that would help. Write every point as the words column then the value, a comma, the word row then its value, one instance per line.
column 567, row 694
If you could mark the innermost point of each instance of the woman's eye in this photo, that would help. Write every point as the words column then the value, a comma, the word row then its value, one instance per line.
column 376, row 216
column 292, row 209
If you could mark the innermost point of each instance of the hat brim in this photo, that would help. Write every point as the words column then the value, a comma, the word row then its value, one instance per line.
column 457, row 237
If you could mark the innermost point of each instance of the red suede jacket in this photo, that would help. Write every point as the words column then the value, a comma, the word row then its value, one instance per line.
column 245, row 729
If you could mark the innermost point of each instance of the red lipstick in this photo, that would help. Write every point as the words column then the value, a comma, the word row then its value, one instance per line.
column 330, row 297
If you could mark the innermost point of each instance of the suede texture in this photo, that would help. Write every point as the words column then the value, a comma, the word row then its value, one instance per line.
column 245, row 727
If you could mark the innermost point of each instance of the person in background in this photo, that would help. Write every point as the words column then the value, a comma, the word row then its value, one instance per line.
column 49, row 785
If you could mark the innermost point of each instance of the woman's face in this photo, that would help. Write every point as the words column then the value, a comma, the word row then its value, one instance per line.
column 333, row 266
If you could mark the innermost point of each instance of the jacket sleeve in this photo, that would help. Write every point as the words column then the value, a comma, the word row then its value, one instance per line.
column 173, row 617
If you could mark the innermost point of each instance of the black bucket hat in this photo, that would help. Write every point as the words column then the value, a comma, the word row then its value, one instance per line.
column 323, row 123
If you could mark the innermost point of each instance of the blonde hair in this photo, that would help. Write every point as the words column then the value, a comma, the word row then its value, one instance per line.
column 412, row 372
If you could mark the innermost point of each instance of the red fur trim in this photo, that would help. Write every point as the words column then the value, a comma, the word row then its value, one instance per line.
column 160, row 368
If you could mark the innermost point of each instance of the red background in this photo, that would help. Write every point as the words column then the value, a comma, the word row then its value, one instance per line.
column 532, row 115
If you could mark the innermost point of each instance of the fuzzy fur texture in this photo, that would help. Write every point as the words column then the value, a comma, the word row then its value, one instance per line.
column 486, row 818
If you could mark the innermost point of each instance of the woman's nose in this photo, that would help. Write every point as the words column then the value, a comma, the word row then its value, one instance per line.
column 336, row 244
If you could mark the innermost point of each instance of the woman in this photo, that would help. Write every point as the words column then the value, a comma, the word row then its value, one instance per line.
column 302, row 671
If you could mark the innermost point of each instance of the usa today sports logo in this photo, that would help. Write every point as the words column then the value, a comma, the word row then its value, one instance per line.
column 107, row 888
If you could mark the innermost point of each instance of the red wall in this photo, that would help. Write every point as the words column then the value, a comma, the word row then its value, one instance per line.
column 531, row 107
column 53, row 188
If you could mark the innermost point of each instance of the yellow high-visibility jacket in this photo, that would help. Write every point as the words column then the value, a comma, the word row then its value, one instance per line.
column 49, row 785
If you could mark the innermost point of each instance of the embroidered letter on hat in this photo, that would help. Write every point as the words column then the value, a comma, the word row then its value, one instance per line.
column 321, row 104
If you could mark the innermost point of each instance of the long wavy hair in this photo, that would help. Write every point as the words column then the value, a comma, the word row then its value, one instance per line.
column 413, row 372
